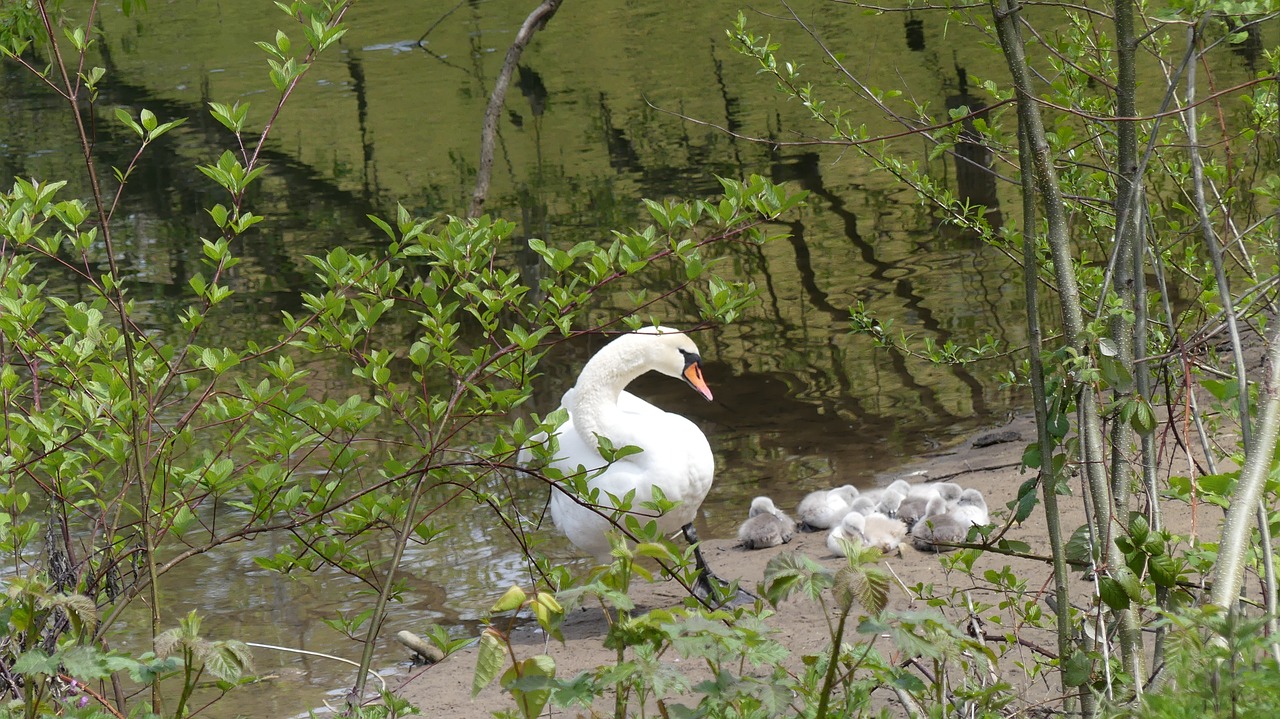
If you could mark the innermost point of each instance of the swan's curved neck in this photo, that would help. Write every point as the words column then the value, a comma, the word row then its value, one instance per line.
column 594, row 405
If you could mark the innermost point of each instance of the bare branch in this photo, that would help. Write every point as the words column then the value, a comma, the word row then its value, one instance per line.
column 536, row 21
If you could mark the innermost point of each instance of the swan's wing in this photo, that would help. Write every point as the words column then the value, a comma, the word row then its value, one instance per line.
column 618, row 479
column 677, row 458
column 587, row 527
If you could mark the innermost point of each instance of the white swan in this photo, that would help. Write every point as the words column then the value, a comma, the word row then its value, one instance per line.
column 949, row 491
column 848, row 531
column 972, row 506
column 872, row 530
column 919, row 501
column 953, row 526
column 889, row 502
column 883, row 532
column 766, row 526
column 948, row 528
column 863, row 505
column 901, row 486
column 825, row 508
column 676, row 456
column 919, row 505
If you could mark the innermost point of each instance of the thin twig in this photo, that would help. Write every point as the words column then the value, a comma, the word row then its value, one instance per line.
column 308, row 652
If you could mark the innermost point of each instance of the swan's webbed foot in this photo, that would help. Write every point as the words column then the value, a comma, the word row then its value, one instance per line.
column 709, row 588
column 713, row 592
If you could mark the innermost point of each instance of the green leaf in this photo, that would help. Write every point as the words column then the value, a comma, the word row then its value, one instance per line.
column 82, row 663
column 1164, row 570
column 869, row 585
column 34, row 663
column 528, row 682
column 78, row 607
column 1013, row 545
column 1179, row 488
column 228, row 661
column 127, row 120
column 906, row 680
column 1079, row 547
column 1058, row 425
column 654, row 550
column 1031, row 456
column 1222, row 390
column 219, row 214
column 183, row 519
column 788, row 573
column 1027, row 499
column 382, row 225
column 549, row 614
column 1079, row 670
column 489, row 660
column 1127, row 580
column 1219, row 485
column 1143, row 417
column 1139, row 528
column 1115, row 374
column 613, row 454
column 512, row 599
column 1112, row 593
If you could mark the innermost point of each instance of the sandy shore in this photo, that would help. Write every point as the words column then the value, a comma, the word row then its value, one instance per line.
column 992, row 466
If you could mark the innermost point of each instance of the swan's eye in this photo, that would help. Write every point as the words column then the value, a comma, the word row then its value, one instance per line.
column 693, row 373
column 692, row 364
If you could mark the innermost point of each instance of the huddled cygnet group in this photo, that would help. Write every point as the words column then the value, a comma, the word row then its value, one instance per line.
column 933, row 515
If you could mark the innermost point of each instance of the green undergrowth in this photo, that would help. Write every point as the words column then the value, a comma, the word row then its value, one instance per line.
column 692, row 661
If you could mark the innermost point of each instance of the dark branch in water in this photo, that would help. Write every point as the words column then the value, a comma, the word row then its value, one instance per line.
column 536, row 21
column 422, row 40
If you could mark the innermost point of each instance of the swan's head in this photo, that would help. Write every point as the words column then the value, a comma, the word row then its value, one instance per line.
column 937, row 505
column 762, row 505
column 950, row 491
column 915, row 506
column 889, row 502
column 853, row 523
column 863, row 505
column 846, row 492
column 672, row 353
column 973, row 498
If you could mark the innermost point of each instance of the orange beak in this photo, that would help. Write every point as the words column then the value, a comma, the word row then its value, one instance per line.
column 693, row 375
